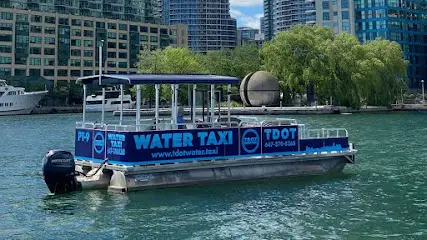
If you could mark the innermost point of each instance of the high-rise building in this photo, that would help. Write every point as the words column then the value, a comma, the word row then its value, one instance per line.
column 210, row 26
column 403, row 21
column 262, row 25
column 336, row 14
column 127, row 10
column 280, row 15
column 65, row 47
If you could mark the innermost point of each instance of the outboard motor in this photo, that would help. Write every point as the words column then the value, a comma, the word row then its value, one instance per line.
column 59, row 172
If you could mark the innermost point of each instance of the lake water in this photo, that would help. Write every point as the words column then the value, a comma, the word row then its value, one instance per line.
column 384, row 195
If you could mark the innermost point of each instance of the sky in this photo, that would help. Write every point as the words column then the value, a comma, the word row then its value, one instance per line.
column 247, row 12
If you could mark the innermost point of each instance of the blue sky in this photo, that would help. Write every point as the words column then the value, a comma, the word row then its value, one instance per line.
column 247, row 12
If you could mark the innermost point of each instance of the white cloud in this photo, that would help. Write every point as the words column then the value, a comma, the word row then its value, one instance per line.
column 244, row 20
column 235, row 13
column 245, row 3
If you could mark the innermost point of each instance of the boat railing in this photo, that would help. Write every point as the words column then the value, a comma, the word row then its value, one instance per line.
column 324, row 133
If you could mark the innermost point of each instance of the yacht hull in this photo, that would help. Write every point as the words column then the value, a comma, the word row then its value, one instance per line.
column 22, row 104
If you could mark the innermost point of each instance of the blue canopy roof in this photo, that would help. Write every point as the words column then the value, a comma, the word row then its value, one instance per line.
column 135, row 79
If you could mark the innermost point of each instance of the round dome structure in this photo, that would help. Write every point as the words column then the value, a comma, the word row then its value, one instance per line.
column 259, row 88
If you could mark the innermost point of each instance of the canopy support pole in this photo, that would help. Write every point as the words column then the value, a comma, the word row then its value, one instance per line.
column 176, row 104
column 84, row 102
column 121, row 104
column 103, row 105
column 173, row 105
column 138, row 105
column 229, row 103
column 194, row 103
column 156, row 114
column 212, row 103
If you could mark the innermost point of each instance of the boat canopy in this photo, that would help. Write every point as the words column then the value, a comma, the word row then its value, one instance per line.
column 136, row 79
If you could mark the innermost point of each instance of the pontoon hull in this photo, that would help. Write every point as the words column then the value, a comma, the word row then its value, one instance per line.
column 193, row 173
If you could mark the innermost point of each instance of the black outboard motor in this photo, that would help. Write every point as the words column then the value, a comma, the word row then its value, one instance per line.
column 59, row 172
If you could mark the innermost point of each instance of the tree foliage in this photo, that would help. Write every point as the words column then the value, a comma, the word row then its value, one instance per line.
column 339, row 65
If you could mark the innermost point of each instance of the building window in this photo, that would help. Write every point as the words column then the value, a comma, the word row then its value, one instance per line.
column 143, row 29
column 344, row 3
column 112, row 26
column 88, row 33
column 35, row 72
column 133, row 28
column 48, row 72
column 22, row 17
column 154, row 39
column 63, row 21
column 88, row 53
column 5, row 38
column 20, row 72
column 154, row 30
column 5, row 49
column 326, row 16
column 6, row 15
column 87, row 23
column 49, row 62
column 76, row 42
column 87, row 72
column 346, row 26
column 62, row 73
column 123, row 27
column 123, row 55
column 123, row 45
column 112, row 55
column 35, row 50
column 325, row 5
column 36, row 18
column 75, row 63
column 123, row 64
column 143, row 38
column 6, row 26
column 345, row 15
column 76, row 52
column 111, row 64
column 75, row 73
column 51, row 20
column 112, row 45
column 76, row 22
column 76, row 32
column 49, row 30
column 49, row 51
column 5, row 60
column 37, row 40
column 111, row 35
column 164, row 31
column 49, row 40
column 88, row 63
column 100, row 24
column 88, row 43
column 123, row 36
column 36, row 29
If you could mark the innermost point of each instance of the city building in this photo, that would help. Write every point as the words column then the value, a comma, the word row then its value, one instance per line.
column 247, row 35
column 280, row 15
column 338, row 15
column 127, row 10
column 403, row 21
column 65, row 47
column 210, row 26
column 262, row 25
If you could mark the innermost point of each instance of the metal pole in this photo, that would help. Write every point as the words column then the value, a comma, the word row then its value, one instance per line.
column 138, row 104
column 176, row 103
column 212, row 103
column 194, row 103
column 84, row 102
column 422, row 82
column 173, row 104
column 229, row 103
column 156, row 114
column 121, row 103
column 100, row 81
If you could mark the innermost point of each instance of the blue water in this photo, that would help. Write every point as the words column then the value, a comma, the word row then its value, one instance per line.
column 384, row 195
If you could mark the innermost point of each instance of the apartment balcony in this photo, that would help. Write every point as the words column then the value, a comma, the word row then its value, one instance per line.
column 311, row 11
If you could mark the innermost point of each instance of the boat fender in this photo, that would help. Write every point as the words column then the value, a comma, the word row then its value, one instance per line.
column 59, row 172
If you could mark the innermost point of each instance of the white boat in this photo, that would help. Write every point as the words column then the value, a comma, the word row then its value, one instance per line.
column 15, row 101
column 112, row 101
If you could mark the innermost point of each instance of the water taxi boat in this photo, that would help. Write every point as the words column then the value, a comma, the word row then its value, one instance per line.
column 178, row 152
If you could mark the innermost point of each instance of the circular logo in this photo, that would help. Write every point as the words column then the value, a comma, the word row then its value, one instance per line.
column 99, row 142
column 250, row 141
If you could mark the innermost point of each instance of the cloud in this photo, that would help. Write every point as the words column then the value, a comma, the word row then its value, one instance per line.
column 245, row 3
column 244, row 20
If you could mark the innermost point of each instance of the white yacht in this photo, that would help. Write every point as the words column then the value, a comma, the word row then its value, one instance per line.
column 15, row 101
column 112, row 101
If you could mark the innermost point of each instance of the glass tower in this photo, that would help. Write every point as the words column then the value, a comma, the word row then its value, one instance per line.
column 210, row 26
column 403, row 21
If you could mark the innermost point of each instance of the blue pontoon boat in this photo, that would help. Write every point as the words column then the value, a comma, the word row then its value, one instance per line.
column 158, row 153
